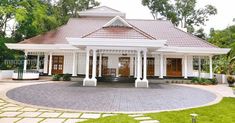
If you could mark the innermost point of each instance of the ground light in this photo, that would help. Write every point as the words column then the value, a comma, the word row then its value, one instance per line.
column 194, row 117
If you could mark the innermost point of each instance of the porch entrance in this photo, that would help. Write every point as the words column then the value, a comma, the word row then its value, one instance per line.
column 57, row 64
column 174, row 67
column 104, row 66
column 124, row 67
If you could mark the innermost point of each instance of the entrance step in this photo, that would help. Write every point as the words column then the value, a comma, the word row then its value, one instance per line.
column 116, row 79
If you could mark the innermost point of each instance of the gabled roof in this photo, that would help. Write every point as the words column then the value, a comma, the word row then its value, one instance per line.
column 118, row 33
column 159, row 29
column 102, row 11
column 118, row 28
column 117, row 21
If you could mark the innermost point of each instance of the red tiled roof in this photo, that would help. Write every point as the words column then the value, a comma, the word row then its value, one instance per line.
column 117, row 33
column 162, row 30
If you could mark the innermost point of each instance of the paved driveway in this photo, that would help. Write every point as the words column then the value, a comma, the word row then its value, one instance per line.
column 107, row 98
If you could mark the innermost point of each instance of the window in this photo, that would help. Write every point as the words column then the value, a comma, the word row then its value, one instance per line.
column 204, row 63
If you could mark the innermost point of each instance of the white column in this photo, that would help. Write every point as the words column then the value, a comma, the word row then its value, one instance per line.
column 145, row 66
column 211, row 69
column 135, row 70
column 74, row 64
column 94, row 64
column 25, row 60
column 199, row 67
column 100, row 64
column 161, row 66
column 50, row 64
column 141, row 66
column 87, row 63
column 185, row 66
column 38, row 61
column 138, row 65
column 45, row 63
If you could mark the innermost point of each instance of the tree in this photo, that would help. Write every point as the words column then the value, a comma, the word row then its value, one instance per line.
column 72, row 7
column 225, row 39
column 9, row 9
column 181, row 12
column 200, row 33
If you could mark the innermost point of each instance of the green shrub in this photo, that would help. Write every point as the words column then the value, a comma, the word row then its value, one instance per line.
column 56, row 77
column 203, row 81
column 66, row 77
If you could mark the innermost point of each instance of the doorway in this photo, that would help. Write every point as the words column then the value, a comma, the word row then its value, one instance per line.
column 174, row 67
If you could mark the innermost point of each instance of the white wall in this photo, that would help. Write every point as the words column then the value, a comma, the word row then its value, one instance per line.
column 6, row 74
column 81, row 63
column 113, row 60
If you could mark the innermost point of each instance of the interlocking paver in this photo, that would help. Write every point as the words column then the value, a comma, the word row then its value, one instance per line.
column 70, row 115
column 44, row 110
column 53, row 120
column 49, row 114
column 166, row 97
column 142, row 118
column 107, row 115
column 136, row 115
column 10, row 105
column 150, row 121
column 2, row 103
column 28, row 109
column 11, row 109
column 74, row 120
column 90, row 116
column 30, row 120
column 10, row 114
column 8, row 120
column 30, row 114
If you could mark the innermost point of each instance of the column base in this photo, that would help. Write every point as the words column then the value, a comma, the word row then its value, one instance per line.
column 90, row 82
column 141, row 83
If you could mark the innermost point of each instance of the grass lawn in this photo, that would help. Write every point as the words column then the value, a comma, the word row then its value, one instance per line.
column 114, row 119
column 224, row 112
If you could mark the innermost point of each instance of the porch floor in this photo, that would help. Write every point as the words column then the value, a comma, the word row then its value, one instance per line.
column 111, row 97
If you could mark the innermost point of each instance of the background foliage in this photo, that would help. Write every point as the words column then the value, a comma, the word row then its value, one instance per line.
column 22, row 19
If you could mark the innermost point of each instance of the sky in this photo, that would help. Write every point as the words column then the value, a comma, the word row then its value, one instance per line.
column 135, row 10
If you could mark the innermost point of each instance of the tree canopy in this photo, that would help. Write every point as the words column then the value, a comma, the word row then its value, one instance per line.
column 27, row 18
column 225, row 39
column 181, row 12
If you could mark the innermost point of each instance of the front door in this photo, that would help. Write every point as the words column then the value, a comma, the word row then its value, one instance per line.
column 150, row 66
column 57, row 64
column 174, row 67
column 124, row 67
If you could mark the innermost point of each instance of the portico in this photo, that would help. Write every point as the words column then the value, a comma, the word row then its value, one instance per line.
column 133, row 47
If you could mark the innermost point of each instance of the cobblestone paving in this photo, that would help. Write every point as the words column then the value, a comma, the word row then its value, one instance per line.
column 109, row 99
column 12, row 113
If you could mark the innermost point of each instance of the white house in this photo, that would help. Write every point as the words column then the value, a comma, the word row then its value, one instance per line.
column 102, row 42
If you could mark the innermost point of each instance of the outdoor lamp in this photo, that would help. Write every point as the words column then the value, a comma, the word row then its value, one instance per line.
column 194, row 117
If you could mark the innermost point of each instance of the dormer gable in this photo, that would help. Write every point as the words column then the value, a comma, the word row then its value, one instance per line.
column 117, row 22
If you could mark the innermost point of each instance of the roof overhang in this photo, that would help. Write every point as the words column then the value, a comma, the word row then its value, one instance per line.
column 194, row 50
column 41, row 47
column 81, row 42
